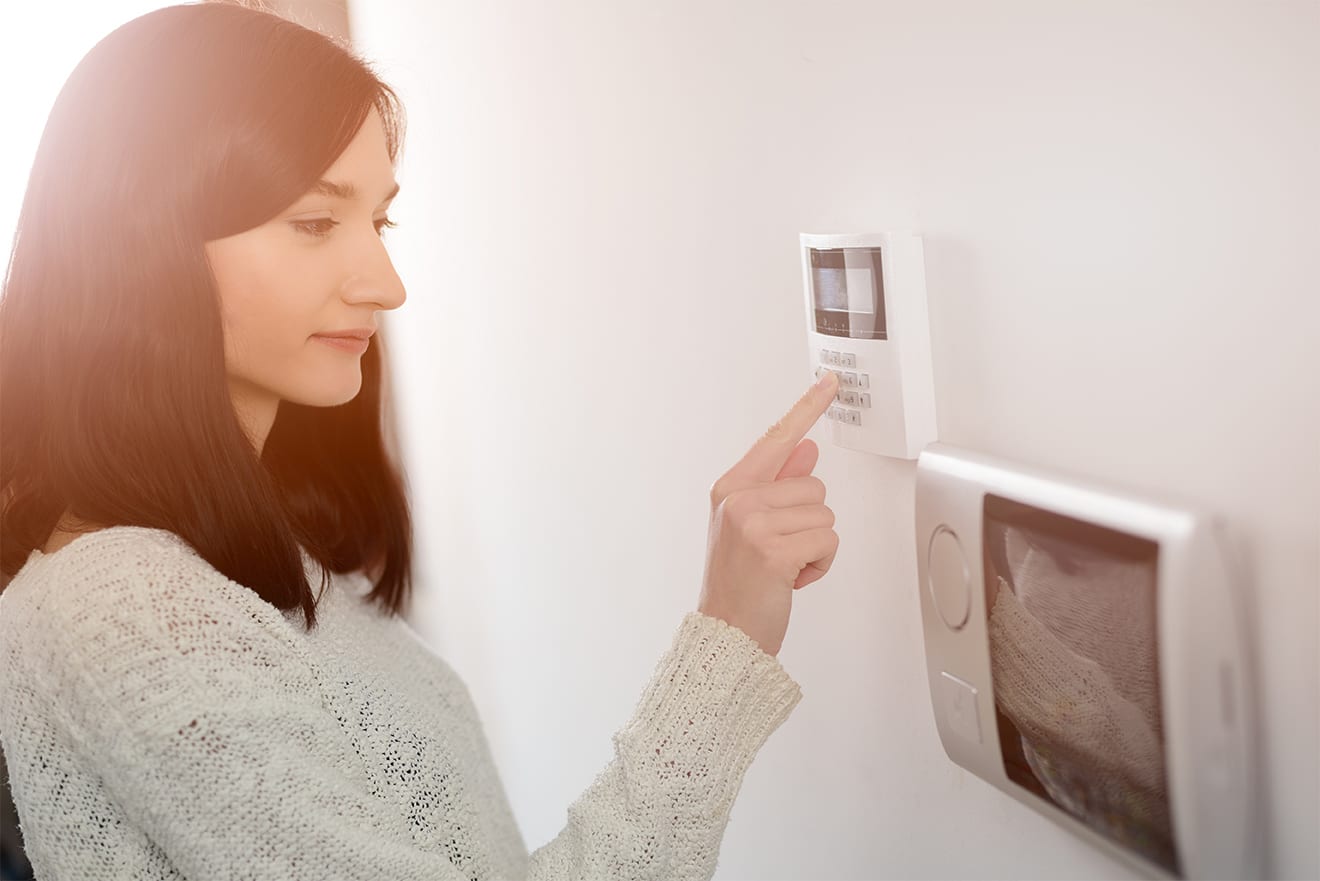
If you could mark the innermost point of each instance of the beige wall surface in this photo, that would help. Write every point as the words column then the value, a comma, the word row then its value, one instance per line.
column 599, row 220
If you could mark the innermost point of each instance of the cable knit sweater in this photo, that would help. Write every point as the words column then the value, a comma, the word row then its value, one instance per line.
column 162, row 721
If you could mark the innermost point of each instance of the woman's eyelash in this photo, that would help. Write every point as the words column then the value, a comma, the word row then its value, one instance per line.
column 321, row 227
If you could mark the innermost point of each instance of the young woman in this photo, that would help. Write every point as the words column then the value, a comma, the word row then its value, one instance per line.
column 187, row 448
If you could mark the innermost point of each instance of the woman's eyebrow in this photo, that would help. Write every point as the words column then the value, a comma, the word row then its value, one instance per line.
column 345, row 190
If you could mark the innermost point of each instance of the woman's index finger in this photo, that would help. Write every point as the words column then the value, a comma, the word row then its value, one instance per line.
column 767, row 456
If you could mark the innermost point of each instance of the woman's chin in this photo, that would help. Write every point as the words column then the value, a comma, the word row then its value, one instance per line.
column 330, row 395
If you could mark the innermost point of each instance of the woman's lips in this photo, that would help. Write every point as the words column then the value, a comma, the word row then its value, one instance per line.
column 344, row 343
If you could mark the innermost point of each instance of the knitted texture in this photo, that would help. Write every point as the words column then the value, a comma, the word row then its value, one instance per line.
column 1074, row 667
column 162, row 721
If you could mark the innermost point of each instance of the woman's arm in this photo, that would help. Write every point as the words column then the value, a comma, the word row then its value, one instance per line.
column 659, row 809
column 204, row 719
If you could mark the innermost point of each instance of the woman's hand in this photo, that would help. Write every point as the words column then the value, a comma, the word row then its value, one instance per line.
column 770, row 531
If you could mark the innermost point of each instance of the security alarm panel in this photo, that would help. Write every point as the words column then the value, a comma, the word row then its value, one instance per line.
column 867, row 322
column 1087, row 653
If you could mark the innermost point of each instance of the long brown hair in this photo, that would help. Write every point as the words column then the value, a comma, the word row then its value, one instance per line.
column 187, row 124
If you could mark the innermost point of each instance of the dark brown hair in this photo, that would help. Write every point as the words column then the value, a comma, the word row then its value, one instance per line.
column 187, row 124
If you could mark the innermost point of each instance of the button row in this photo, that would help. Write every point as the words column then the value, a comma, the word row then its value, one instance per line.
column 838, row 359
column 852, row 398
column 849, row 379
column 844, row 415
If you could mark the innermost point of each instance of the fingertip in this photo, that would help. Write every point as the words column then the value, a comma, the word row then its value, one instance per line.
column 825, row 380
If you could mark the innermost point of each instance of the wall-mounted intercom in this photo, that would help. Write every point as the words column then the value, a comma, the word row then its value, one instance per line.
column 1087, row 653
column 867, row 321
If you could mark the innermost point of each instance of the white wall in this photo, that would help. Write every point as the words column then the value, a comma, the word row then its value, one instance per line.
column 40, row 45
column 600, row 210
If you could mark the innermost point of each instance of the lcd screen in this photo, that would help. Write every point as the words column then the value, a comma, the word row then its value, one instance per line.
column 1074, row 665
column 848, row 289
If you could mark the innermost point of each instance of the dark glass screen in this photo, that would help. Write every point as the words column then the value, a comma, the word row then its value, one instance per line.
column 848, row 288
column 1075, row 666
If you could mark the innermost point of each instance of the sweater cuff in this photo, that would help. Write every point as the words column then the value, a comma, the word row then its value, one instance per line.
column 714, row 699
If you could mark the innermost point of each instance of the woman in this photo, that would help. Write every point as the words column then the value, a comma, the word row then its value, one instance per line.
column 182, row 450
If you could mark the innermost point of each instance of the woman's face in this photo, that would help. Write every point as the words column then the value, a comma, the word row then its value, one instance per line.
column 319, row 266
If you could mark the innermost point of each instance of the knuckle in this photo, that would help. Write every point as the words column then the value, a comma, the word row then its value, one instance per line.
column 735, row 505
column 717, row 491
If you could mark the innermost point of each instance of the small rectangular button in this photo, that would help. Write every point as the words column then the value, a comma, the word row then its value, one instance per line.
column 849, row 359
column 958, row 701
column 866, row 399
column 850, row 380
column 864, row 381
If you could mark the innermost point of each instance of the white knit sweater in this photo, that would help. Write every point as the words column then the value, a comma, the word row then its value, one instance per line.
column 162, row 721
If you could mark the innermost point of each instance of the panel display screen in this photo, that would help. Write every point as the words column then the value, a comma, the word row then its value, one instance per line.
column 848, row 289
column 1074, row 663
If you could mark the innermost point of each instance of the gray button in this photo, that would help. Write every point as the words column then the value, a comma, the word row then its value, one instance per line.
column 850, row 380
column 866, row 399
column 947, row 577
column 849, row 359
column 864, row 381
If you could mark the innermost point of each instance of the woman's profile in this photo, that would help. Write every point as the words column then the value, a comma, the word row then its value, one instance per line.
column 205, row 541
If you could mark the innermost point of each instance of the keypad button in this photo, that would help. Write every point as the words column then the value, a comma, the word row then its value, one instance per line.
column 850, row 380
column 865, row 399
column 864, row 380
column 849, row 359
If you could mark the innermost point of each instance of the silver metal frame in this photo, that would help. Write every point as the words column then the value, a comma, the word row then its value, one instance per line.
column 1205, row 666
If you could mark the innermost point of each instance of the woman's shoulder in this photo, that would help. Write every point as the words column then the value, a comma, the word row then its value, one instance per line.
column 106, row 550
column 112, row 569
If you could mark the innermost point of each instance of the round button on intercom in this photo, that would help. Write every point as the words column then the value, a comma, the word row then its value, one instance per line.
column 947, row 577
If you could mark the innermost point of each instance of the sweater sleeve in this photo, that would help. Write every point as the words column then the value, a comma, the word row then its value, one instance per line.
column 204, row 721
column 659, row 809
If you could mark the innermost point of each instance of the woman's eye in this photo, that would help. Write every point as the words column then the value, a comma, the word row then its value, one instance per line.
column 319, row 228
column 322, row 226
